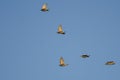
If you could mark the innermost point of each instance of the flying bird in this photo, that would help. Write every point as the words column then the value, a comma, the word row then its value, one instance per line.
column 44, row 8
column 110, row 63
column 62, row 64
column 60, row 30
column 85, row 56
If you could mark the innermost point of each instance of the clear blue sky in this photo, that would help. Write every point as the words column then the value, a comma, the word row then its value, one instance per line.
column 30, row 48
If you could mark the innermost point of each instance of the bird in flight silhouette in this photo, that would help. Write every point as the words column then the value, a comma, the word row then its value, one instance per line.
column 44, row 7
column 60, row 30
column 62, row 64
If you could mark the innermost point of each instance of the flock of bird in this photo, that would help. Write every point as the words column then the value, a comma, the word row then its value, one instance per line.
column 60, row 31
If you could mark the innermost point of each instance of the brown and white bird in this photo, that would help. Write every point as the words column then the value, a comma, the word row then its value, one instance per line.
column 44, row 7
column 60, row 30
column 85, row 56
column 110, row 63
column 62, row 64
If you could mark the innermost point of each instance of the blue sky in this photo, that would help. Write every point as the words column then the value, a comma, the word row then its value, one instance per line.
column 30, row 48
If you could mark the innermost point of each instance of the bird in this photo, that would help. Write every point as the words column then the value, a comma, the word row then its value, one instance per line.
column 85, row 56
column 60, row 30
column 110, row 63
column 62, row 64
column 44, row 7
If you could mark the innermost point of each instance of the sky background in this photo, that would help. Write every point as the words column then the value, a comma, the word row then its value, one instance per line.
column 30, row 48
